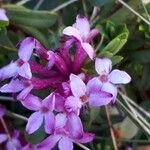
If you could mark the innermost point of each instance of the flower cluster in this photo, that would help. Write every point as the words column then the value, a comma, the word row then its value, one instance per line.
column 61, row 71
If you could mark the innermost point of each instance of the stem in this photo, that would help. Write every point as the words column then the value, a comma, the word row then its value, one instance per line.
column 111, row 129
column 136, row 13
column 85, row 8
column 62, row 6
column 82, row 146
column 22, row 2
column 38, row 4
column 100, row 43
column 94, row 13
column 6, row 98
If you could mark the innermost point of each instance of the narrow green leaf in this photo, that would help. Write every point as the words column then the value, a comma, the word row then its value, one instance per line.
column 116, row 59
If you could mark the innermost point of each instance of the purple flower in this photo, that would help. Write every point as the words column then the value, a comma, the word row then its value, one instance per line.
column 81, row 31
column 44, row 112
column 108, row 78
column 21, row 66
column 68, row 129
column 83, row 94
column 3, row 16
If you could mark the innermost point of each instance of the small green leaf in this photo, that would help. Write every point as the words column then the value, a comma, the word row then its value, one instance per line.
column 38, row 19
column 116, row 59
column 105, row 54
column 3, row 23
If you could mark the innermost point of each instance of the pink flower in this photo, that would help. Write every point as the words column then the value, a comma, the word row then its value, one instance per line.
column 81, row 31
column 44, row 112
column 21, row 66
column 108, row 79
column 83, row 94
column 68, row 129
column 3, row 16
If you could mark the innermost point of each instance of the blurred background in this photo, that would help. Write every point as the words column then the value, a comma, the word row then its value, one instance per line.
column 124, row 37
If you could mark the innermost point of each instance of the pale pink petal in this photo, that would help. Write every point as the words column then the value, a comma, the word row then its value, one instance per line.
column 86, row 137
column 26, row 48
column 32, row 102
column 103, row 65
column 74, row 125
column 61, row 120
column 99, row 99
column 25, row 71
column 92, row 34
column 51, row 58
column 110, row 88
column 9, row 71
column 78, row 87
column 12, row 87
column 119, row 77
column 22, row 95
column 71, row 31
column 89, row 50
column 94, row 85
column 3, row 137
column 49, row 122
column 49, row 142
column 13, row 144
column 34, row 122
column 3, row 15
column 49, row 102
column 65, row 144
column 82, row 24
column 73, row 104
column 59, row 103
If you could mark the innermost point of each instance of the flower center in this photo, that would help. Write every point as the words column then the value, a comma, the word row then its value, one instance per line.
column 83, row 98
column 103, row 78
column 20, row 62
column 44, row 109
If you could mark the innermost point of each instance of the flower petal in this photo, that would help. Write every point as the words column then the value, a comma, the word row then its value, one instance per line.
column 89, row 50
column 103, row 65
column 59, row 102
column 86, row 137
column 99, row 99
column 65, row 144
column 32, row 102
column 61, row 120
column 49, row 102
column 71, row 31
column 119, row 77
column 92, row 34
column 14, row 143
column 49, row 122
column 3, row 15
column 82, row 24
column 12, row 87
column 26, row 48
column 3, row 137
column 25, row 71
column 34, row 122
column 78, row 87
column 9, row 71
column 49, row 142
column 74, row 125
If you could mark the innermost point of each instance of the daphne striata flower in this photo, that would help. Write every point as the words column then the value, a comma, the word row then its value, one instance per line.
column 84, row 94
column 64, row 136
column 44, row 112
column 81, row 31
column 108, row 79
column 21, row 66
column 3, row 16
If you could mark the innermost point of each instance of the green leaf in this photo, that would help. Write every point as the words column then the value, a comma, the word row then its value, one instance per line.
column 3, row 23
column 5, row 44
column 116, row 59
column 37, row 19
column 105, row 54
column 116, row 44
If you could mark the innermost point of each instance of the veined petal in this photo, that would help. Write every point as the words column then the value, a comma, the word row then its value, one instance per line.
column 78, row 87
column 13, row 87
column 71, row 31
column 3, row 15
column 86, row 137
column 103, row 65
column 89, row 50
column 25, row 71
column 99, row 99
column 49, row 102
column 82, row 24
column 74, row 125
column 32, row 102
column 26, row 48
column 49, row 142
column 3, row 137
column 92, row 34
column 49, row 122
column 65, row 144
column 34, row 122
column 9, row 71
column 61, row 120
column 119, row 77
